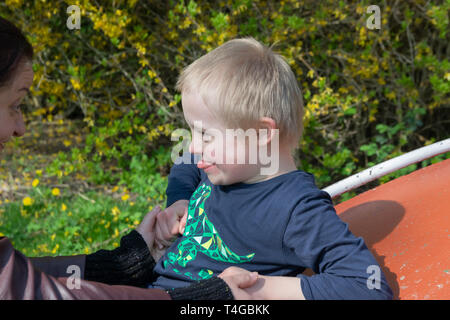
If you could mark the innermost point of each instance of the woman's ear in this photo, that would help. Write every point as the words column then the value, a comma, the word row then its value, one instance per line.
column 267, row 129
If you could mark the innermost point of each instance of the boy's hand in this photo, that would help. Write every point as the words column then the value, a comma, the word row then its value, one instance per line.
column 276, row 288
column 170, row 223
column 238, row 280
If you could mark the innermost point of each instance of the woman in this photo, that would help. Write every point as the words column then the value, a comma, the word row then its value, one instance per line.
column 130, row 264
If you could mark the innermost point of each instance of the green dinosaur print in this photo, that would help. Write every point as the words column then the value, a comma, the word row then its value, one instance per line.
column 200, row 235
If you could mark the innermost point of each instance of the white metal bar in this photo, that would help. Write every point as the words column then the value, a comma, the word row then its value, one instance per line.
column 387, row 167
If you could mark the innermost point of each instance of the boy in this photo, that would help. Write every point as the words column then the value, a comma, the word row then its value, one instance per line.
column 276, row 222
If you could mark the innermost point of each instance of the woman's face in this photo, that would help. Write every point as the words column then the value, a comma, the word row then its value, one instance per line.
column 11, row 96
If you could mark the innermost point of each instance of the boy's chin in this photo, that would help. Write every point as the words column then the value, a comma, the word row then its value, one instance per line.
column 218, row 179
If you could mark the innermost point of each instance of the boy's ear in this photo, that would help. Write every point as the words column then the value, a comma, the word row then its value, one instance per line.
column 267, row 128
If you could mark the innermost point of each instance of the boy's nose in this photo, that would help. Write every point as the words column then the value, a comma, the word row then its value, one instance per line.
column 192, row 149
column 195, row 147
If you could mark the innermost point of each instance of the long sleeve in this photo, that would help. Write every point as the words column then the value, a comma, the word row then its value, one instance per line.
column 129, row 264
column 183, row 180
column 317, row 238
column 20, row 279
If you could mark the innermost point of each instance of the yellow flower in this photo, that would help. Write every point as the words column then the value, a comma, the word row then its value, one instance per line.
column 39, row 172
column 1, row 234
column 56, row 192
column 151, row 74
column 75, row 83
column 391, row 95
column 27, row 201
column 143, row 62
column 63, row 207
column 115, row 211
column 55, row 248
column 125, row 197
column 35, row 183
column 53, row 236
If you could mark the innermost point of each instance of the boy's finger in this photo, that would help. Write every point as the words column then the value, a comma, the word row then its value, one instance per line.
column 161, row 244
column 163, row 224
column 183, row 223
column 163, row 236
column 172, row 221
column 246, row 280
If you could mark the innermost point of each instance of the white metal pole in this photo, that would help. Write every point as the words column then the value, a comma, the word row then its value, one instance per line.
column 387, row 167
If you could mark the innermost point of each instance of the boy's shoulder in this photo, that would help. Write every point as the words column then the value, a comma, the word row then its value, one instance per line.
column 297, row 186
column 298, row 179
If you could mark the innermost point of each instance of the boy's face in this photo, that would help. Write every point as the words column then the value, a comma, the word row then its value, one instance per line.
column 209, row 140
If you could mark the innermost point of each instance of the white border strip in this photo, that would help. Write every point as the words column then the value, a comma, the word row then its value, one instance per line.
column 387, row 167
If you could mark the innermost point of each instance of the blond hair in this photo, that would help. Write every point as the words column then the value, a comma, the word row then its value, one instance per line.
column 242, row 81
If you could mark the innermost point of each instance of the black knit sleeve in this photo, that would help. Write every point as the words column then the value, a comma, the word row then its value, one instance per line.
column 211, row 289
column 129, row 264
column 132, row 264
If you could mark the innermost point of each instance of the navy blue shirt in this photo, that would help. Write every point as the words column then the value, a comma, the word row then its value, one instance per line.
column 276, row 227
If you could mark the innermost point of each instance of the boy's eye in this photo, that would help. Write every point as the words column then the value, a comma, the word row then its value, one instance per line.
column 17, row 108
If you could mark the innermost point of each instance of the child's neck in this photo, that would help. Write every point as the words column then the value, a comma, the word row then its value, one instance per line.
column 286, row 164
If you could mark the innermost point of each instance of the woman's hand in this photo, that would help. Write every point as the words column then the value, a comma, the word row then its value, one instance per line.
column 170, row 223
column 159, row 228
column 147, row 230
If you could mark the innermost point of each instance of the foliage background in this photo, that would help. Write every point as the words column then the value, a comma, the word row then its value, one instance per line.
column 97, row 153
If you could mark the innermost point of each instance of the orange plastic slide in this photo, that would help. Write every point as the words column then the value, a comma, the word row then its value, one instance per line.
column 406, row 225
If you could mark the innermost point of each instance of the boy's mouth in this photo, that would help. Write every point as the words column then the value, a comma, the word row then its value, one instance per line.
column 204, row 165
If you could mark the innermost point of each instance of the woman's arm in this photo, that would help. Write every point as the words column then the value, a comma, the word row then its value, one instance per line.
column 129, row 264
column 20, row 280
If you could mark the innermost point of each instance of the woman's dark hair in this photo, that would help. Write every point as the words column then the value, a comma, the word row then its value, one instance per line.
column 13, row 47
